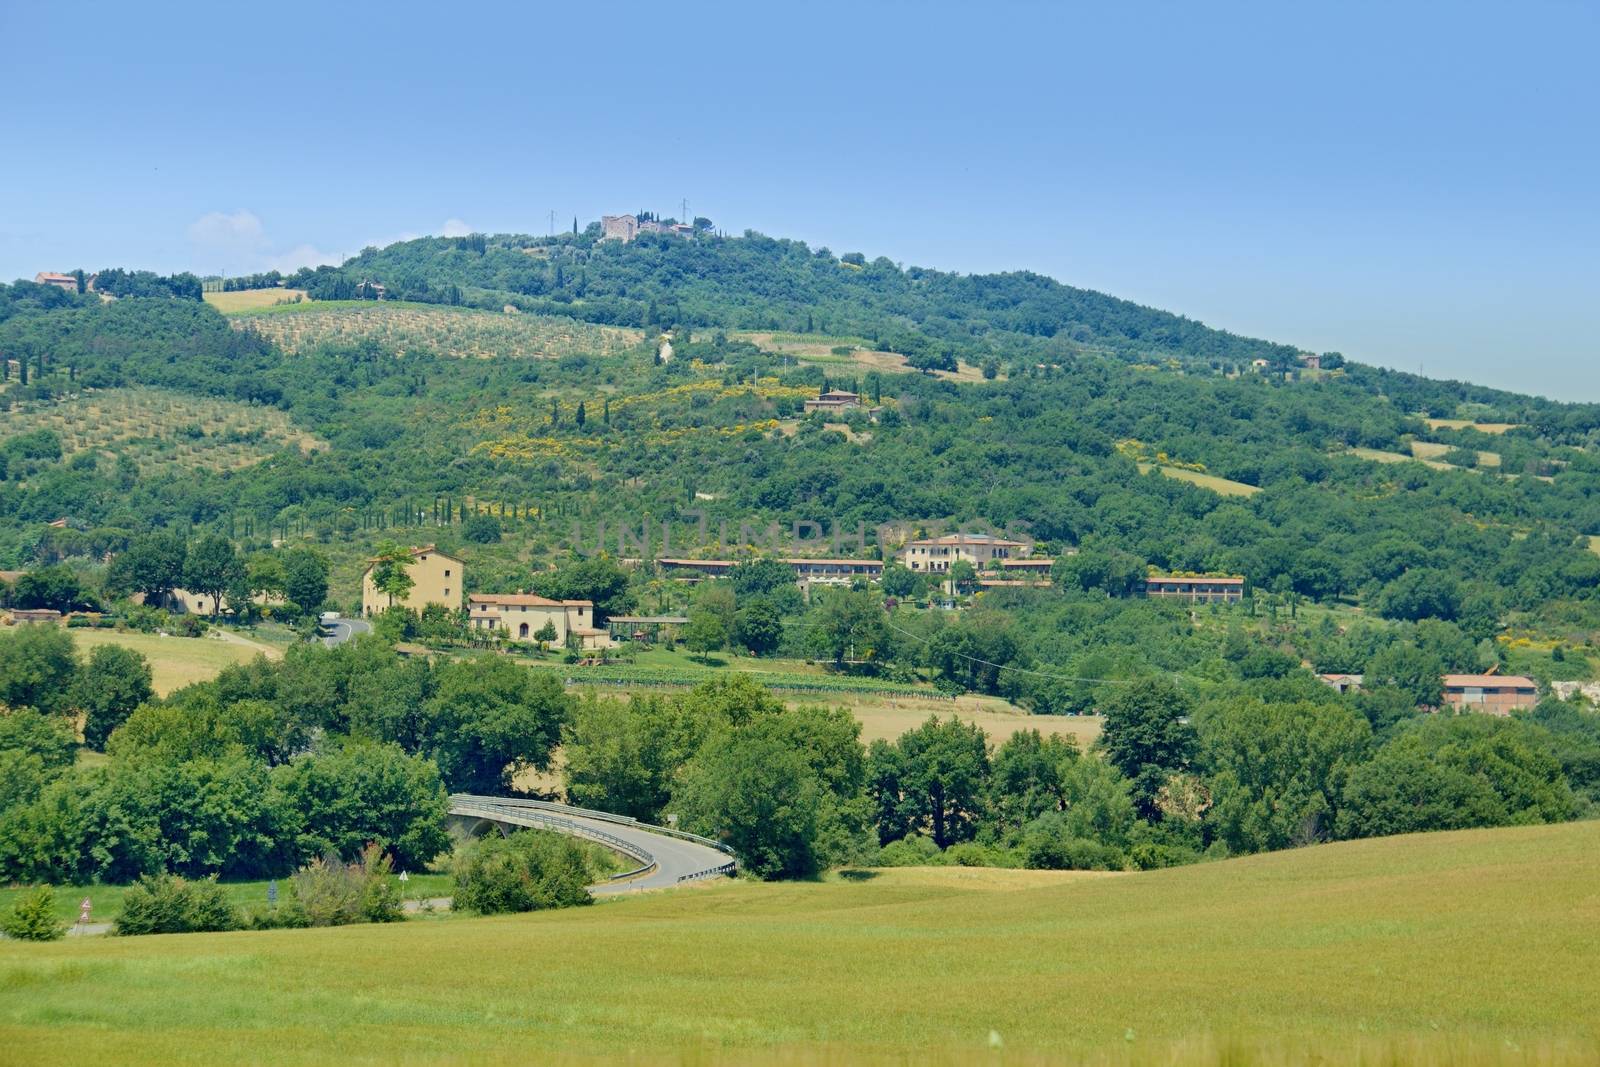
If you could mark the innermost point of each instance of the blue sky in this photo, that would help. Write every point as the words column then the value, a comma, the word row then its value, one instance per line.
column 1412, row 185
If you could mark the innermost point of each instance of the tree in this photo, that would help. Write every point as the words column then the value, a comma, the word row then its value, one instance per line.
column 528, row 870
column 355, row 795
column 751, row 789
column 305, row 579
column 213, row 568
column 481, row 528
column 847, row 622
column 933, row 779
column 545, row 634
column 391, row 571
column 758, row 627
column 582, row 416
column 598, row 579
column 705, row 632
column 1404, row 667
column 37, row 668
column 760, row 577
column 1277, row 771
column 114, row 682
column 33, row 917
column 54, row 587
column 963, row 576
column 1451, row 772
column 1114, row 572
column 153, row 564
column 1028, row 777
column 1420, row 594
column 1147, row 736
column 489, row 719
column 900, row 582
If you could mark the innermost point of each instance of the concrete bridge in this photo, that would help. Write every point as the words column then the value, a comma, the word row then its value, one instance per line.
column 662, row 857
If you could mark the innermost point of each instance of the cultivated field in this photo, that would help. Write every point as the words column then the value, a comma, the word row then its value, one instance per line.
column 1468, row 424
column 1225, row 486
column 1434, row 450
column 178, row 661
column 254, row 299
column 411, row 329
column 161, row 430
column 1461, row 948
column 818, row 349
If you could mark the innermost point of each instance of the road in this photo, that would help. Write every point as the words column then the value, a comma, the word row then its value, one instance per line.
column 669, row 858
column 341, row 630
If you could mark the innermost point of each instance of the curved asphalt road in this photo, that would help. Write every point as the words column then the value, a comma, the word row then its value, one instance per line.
column 341, row 630
column 672, row 859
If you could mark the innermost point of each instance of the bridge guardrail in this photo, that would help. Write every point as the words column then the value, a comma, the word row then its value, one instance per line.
column 497, row 811
column 604, row 816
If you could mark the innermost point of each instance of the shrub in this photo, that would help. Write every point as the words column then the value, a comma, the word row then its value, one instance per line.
column 333, row 893
column 527, row 871
column 1048, row 845
column 1150, row 856
column 167, row 904
column 913, row 851
column 33, row 917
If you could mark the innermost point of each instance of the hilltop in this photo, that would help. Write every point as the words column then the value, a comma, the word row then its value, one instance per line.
column 1471, row 947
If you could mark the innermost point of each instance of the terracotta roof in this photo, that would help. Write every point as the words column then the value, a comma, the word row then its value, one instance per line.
column 846, row 562
column 1040, row 564
column 1488, row 681
column 524, row 600
column 674, row 561
column 422, row 551
column 970, row 539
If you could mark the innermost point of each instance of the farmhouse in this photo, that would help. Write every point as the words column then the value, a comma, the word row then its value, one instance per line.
column 523, row 616
column 1495, row 694
column 934, row 555
column 60, row 281
column 1343, row 683
column 834, row 400
column 618, row 228
column 437, row 578
column 1196, row 588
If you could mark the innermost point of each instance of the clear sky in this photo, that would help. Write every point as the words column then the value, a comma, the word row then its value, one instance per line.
column 1413, row 185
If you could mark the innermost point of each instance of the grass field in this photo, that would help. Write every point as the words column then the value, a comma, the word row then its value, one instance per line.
column 1225, row 486
column 178, row 661
column 1434, row 450
column 1468, row 424
column 159, row 430
column 253, row 299
column 442, row 331
column 1465, row 948
column 1380, row 456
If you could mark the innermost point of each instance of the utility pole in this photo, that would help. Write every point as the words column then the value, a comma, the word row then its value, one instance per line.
column 552, row 222
column 685, row 217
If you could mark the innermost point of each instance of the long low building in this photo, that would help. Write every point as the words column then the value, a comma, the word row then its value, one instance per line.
column 814, row 571
column 1197, row 588
column 1494, row 694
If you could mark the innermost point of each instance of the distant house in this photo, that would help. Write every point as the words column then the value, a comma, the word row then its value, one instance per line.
column 1199, row 589
column 1495, row 694
column 834, row 400
column 521, row 616
column 1344, row 683
column 622, row 228
column 437, row 578
column 60, row 281
column 934, row 555
column 694, row 569
column 27, row 615
column 1310, row 361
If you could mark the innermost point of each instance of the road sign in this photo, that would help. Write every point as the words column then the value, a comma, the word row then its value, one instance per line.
column 272, row 891
column 404, row 877
column 83, row 910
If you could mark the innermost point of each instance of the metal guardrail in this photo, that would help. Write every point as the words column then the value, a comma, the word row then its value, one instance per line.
column 605, row 816
column 494, row 812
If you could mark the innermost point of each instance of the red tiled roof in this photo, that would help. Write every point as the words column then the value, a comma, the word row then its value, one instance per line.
column 524, row 600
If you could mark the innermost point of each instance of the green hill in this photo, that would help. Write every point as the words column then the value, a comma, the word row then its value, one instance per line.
column 1461, row 948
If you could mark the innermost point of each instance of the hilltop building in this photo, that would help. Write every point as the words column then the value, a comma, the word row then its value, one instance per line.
column 934, row 555
column 625, row 228
column 60, row 281
column 437, row 578
column 522, row 616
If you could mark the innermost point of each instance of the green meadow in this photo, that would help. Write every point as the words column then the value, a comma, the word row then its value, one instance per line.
column 1476, row 947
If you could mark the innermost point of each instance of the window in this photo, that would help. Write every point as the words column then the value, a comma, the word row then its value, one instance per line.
column 447, row 590
column 447, row 572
